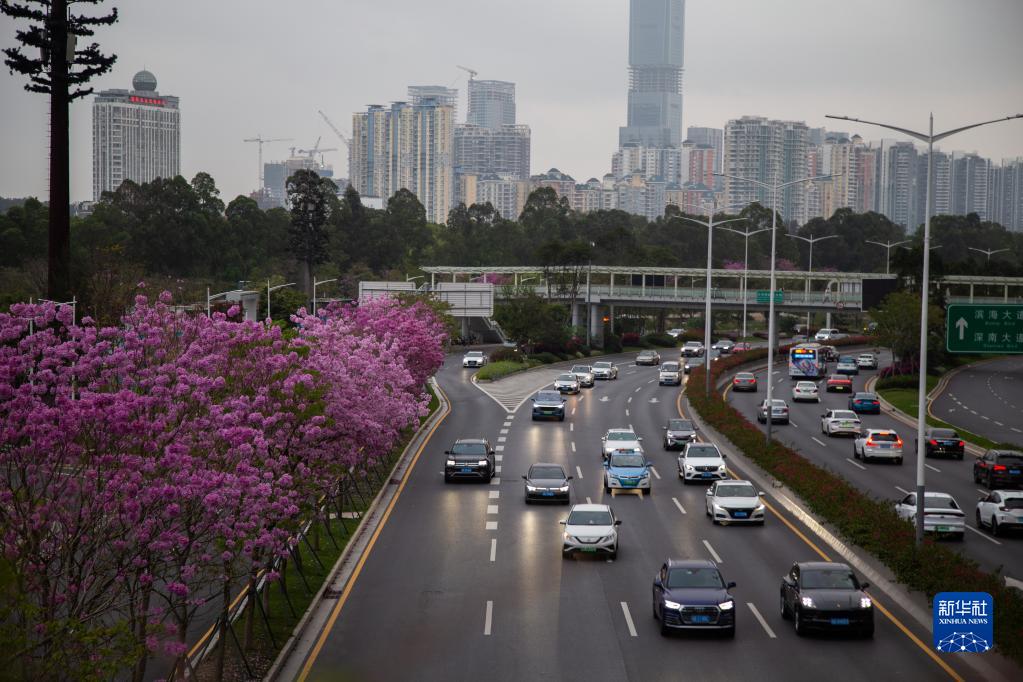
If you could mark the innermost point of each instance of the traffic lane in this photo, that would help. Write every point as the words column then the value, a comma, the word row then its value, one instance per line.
column 882, row 479
column 986, row 399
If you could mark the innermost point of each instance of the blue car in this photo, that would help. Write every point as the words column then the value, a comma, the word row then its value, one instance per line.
column 626, row 470
column 865, row 402
column 549, row 405
column 690, row 594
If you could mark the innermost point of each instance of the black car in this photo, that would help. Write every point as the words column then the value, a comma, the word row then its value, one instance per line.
column 470, row 458
column 690, row 594
column 678, row 432
column 999, row 469
column 549, row 405
column 943, row 442
column 546, row 483
column 820, row 595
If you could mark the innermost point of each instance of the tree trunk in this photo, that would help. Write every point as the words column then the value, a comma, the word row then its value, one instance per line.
column 250, row 616
column 225, row 623
column 58, row 279
column 141, row 631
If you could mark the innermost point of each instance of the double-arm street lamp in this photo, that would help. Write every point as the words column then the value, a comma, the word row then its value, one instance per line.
column 745, row 266
column 930, row 138
column 279, row 286
column 989, row 252
column 811, row 240
column 317, row 283
column 888, row 246
column 773, row 187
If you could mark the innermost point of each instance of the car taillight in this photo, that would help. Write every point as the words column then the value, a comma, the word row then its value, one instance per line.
column 999, row 467
column 870, row 441
column 898, row 443
column 736, row 381
column 962, row 444
column 934, row 442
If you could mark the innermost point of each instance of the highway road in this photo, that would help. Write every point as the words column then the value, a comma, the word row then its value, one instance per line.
column 882, row 479
column 986, row 399
column 466, row 582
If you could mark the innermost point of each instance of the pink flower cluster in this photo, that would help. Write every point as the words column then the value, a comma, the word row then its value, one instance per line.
column 144, row 465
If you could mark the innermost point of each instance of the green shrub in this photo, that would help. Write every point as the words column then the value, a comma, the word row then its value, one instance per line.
column 898, row 381
column 545, row 357
column 612, row 344
column 496, row 370
column 660, row 339
column 502, row 354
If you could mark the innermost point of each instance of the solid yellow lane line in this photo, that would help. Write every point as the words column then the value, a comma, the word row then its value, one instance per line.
column 369, row 548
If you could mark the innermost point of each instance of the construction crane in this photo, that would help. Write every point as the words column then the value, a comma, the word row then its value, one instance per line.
column 335, row 129
column 315, row 150
column 472, row 72
column 261, row 140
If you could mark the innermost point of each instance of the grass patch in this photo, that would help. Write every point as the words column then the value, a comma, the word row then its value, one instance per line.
column 502, row 368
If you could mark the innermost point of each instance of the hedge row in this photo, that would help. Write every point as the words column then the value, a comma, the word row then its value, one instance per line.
column 866, row 521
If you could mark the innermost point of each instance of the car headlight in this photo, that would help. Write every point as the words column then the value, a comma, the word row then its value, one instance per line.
column 563, row 489
column 567, row 537
column 721, row 467
column 531, row 488
column 759, row 508
column 482, row 462
column 451, row 462
column 727, row 605
column 807, row 602
column 865, row 603
column 689, row 467
column 668, row 604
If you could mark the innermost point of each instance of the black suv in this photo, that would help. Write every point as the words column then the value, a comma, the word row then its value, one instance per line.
column 999, row 469
column 690, row 594
column 822, row 595
column 943, row 442
column 470, row 458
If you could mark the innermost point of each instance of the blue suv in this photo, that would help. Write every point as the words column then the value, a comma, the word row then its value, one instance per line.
column 690, row 594
column 549, row 405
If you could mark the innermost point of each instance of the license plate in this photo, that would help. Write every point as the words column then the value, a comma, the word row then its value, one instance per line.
column 701, row 619
column 466, row 470
column 706, row 475
column 943, row 529
column 839, row 621
column 846, row 425
column 884, row 446
column 547, row 494
column 741, row 515
column 1014, row 472
column 589, row 549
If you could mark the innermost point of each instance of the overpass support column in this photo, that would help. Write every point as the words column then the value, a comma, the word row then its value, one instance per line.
column 611, row 316
column 971, row 293
column 575, row 314
column 596, row 324
column 1006, row 299
column 611, row 291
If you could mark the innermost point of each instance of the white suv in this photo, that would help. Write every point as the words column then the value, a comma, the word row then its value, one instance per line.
column 701, row 462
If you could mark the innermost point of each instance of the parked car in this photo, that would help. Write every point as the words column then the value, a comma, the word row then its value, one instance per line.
column 878, row 444
column 585, row 375
column 567, row 383
column 866, row 361
column 724, row 346
column 626, row 470
column 999, row 469
column 695, row 361
column 838, row 382
column 779, row 412
column 701, row 462
column 1001, row 511
column 669, row 374
column 834, row 422
column 692, row 349
column 943, row 442
column 469, row 458
column 678, row 433
column 474, row 358
column 846, row 365
column 806, row 390
column 604, row 369
column 734, row 501
column 590, row 529
column 824, row 595
column 691, row 594
column 745, row 381
column 619, row 439
column 546, row 482
column 548, row 405
column 867, row 403
column 942, row 515
column 648, row 357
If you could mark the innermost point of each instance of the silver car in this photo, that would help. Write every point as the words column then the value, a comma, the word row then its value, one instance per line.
column 866, row 361
column 619, row 439
column 590, row 529
column 942, row 515
column 585, row 375
column 604, row 370
column 731, row 501
column 878, row 444
column 806, row 390
column 567, row 383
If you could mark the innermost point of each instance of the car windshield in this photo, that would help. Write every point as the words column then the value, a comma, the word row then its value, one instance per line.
column 693, row 344
column 589, row 518
column 838, row 377
column 828, row 580
column 646, row 354
column 745, row 376
column 884, row 437
column 474, row 354
column 469, row 449
column 943, row 433
column 680, row 425
column 546, row 472
column 865, row 396
column 623, row 460
column 581, row 368
column 806, row 385
column 621, row 435
column 603, row 365
column 566, row 377
column 776, row 403
column 940, row 502
column 695, row 577
column 702, row 451
column 844, row 414
column 736, row 491
column 1013, row 459
column 845, row 359
column 547, row 396
column 669, row 367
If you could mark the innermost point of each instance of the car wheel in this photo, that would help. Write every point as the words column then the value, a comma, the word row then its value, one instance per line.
column 799, row 625
column 614, row 555
column 526, row 500
column 534, row 417
column 867, row 632
column 730, row 632
column 785, row 613
column 980, row 524
column 447, row 479
column 994, row 527
column 959, row 457
column 990, row 481
column 856, row 453
column 561, row 418
column 976, row 479
column 665, row 630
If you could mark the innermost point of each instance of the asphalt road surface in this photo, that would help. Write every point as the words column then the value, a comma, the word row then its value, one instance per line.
column 986, row 399
column 466, row 582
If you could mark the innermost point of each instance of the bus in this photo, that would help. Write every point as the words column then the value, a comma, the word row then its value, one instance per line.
column 808, row 361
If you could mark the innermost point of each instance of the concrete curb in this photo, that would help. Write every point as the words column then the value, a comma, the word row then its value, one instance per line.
column 292, row 657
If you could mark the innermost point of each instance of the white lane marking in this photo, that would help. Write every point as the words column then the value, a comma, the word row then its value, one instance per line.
column 629, row 400
column 1015, row 429
column 496, row 480
column 626, row 413
column 498, row 448
column 491, row 509
column 973, row 411
column 794, row 424
column 999, row 423
column 571, row 426
column 573, row 446
column 638, row 389
column 494, row 494
column 982, row 492
column 651, row 381
column 932, row 468
column 509, row 416
column 712, row 552
column 491, row 525
column 573, row 410
column 506, row 424
column 983, row 535
column 777, row 371
column 579, row 472
column 820, row 443
column 503, row 431
column 654, row 471
column 678, row 505
column 489, row 618
column 631, row 428
column 984, row 416
column 502, row 439
column 857, row 464
column 589, row 501
column 493, row 550
column 498, row 458
column 902, row 490
column 763, row 623
column 497, row 469
column 628, row 620
column 582, row 398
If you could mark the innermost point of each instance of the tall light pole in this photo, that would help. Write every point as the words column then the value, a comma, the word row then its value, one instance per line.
column 710, row 225
column 811, row 240
column 315, row 284
column 989, row 252
column 745, row 267
column 888, row 246
column 279, row 286
column 589, row 290
column 774, row 187
column 930, row 138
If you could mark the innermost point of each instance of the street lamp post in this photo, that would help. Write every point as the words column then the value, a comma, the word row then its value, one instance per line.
column 745, row 267
column 989, row 252
column 811, row 240
column 774, row 187
column 315, row 284
column 888, row 246
column 710, row 225
column 589, row 290
column 930, row 138
column 280, row 286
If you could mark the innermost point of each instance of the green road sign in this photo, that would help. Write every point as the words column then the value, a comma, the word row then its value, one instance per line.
column 984, row 328
column 762, row 296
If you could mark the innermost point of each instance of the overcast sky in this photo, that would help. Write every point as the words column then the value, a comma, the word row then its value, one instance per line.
column 251, row 67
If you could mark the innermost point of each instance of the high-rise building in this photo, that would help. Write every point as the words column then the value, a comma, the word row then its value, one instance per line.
column 769, row 152
column 136, row 135
column 276, row 174
column 506, row 194
column 417, row 94
column 897, row 196
column 491, row 103
column 370, row 155
column 970, row 185
column 709, row 137
column 1007, row 194
column 503, row 150
column 656, row 32
column 661, row 163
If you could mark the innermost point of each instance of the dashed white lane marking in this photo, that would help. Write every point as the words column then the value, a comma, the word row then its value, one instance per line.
column 820, row 443
column 502, row 439
column 629, row 400
column 503, row 431
column 999, row 423
column 638, row 389
column 712, row 552
column 678, row 505
column 571, row 426
column 509, row 416
column 794, row 424
column 489, row 618
column 498, row 458
column 573, row 446
column 777, row 371
column 493, row 550
column 984, row 416
column 497, row 469
column 973, row 411
column 654, row 471
column 932, row 468
column 494, row 494
column 498, row 448
column 589, row 501
column 491, row 525
column 491, row 509
column 763, row 623
column 631, row 372
column 496, row 480
column 1015, row 429
column 983, row 535
column 578, row 472
column 902, row 490
column 582, row 398
column 506, row 424
column 573, row 410
column 857, row 464
column 982, row 492
column 626, row 412
column 651, row 381
column 628, row 620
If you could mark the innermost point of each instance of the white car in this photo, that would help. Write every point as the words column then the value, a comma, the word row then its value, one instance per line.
column 669, row 374
column 604, row 370
column 866, row 361
column 474, row 358
column 619, row 439
column 834, row 422
column 673, row 333
column 590, row 529
column 827, row 334
column 806, row 390
column 701, row 462
column 585, row 375
column 734, row 502
column 724, row 346
column 567, row 383
column 942, row 515
column 878, row 444
column 779, row 412
column 692, row 349
column 1001, row 510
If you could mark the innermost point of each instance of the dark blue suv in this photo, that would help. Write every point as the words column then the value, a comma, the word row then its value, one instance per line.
column 549, row 405
column 690, row 594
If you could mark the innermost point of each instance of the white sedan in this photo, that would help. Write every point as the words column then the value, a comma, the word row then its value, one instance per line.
column 840, row 421
column 942, row 515
column 806, row 390
column 731, row 501
column 866, row 361
column 474, row 358
column 604, row 370
column 1001, row 510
